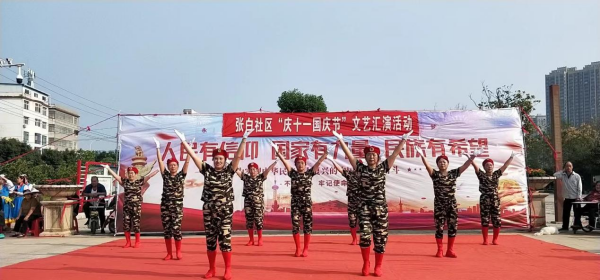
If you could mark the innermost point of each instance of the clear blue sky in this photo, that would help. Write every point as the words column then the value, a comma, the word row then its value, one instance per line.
column 155, row 57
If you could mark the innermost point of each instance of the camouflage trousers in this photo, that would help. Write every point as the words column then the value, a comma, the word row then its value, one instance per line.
column 217, row 225
column 302, row 208
column 373, row 220
column 490, row 207
column 353, row 210
column 445, row 212
column 171, row 214
column 132, row 213
column 254, row 208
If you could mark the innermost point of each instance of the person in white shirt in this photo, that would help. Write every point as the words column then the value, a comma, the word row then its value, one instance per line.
column 571, row 191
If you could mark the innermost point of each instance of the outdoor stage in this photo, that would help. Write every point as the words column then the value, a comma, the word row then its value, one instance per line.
column 407, row 257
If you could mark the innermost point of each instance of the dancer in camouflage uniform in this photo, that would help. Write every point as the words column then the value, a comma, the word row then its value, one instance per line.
column 489, row 200
column 445, row 209
column 132, row 205
column 217, row 196
column 373, row 215
column 352, row 192
column 171, row 203
column 301, row 198
column 254, row 202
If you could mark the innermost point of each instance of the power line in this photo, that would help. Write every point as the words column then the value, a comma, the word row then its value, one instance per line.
column 10, row 112
column 76, row 102
column 99, row 134
column 11, row 108
column 38, row 77
column 69, row 99
column 55, row 99
column 105, row 128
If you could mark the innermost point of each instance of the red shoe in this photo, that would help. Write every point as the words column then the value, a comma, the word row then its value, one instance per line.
column 496, row 234
column 212, row 270
column 137, row 240
column 484, row 232
column 169, row 250
column 178, row 249
column 251, row 235
column 306, row 242
column 260, row 242
column 127, row 240
column 297, row 241
column 366, row 264
column 353, row 234
column 449, row 252
column 227, row 259
column 378, row 263
column 440, row 245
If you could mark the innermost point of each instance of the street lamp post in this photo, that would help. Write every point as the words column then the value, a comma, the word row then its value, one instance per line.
column 8, row 62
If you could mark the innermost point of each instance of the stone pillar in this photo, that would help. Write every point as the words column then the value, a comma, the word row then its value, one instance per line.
column 555, row 125
column 53, row 226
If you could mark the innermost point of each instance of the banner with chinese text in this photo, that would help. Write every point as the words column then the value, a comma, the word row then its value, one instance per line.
column 409, row 189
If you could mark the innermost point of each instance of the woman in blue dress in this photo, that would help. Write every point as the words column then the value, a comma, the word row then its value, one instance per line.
column 22, row 185
column 7, row 203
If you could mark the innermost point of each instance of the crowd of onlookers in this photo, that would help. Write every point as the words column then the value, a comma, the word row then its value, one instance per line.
column 20, row 206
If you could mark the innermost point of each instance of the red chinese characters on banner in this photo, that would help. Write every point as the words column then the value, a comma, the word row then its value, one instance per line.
column 292, row 149
column 366, row 123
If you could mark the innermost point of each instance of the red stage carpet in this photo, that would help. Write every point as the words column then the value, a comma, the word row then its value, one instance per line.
column 407, row 257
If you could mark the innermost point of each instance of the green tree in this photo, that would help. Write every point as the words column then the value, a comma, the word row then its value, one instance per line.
column 106, row 156
column 538, row 153
column 46, row 166
column 294, row 101
column 579, row 147
column 10, row 148
column 505, row 97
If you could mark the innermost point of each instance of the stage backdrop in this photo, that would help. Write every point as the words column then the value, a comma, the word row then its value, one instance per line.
column 409, row 189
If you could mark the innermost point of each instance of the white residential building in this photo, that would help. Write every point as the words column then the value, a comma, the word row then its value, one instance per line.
column 63, row 123
column 24, row 114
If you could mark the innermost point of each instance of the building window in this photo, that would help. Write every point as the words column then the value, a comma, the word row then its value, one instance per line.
column 38, row 138
column 25, row 104
column 35, row 94
column 25, row 137
column 51, row 128
column 52, row 114
column 44, row 111
column 26, row 92
column 44, row 98
column 38, row 122
column 44, row 125
column 25, row 120
column 38, row 108
column 75, row 120
column 44, row 140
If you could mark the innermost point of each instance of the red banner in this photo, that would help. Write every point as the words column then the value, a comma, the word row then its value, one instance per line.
column 364, row 123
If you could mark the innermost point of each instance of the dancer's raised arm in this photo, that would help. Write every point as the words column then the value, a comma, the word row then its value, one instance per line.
column 197, row 160
column 349, row 155
column 394, row 155
column 420, row 152
column 161, row 165
column 507, row 163
column 268, row 169
column 285, row 163
column 112, row 173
